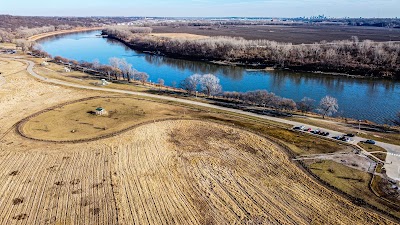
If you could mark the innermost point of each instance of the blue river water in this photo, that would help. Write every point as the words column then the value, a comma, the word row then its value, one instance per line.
column 371, row 99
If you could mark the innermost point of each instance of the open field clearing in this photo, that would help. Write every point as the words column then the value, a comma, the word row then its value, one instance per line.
column 293, row 34
column 78, row 121
column 179, row 35
column 376, row 150
column 21, row 95
column 218, row 175
column 352, row 181
column 201, row 167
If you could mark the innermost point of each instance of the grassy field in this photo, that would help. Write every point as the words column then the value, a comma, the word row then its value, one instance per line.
column 374, row 148
column 293, row 34
column 212, row 170
column 78, row 121
column 351, row 181
column 179, row 35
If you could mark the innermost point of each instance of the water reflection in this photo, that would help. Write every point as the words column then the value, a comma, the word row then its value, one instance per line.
column 371, row 99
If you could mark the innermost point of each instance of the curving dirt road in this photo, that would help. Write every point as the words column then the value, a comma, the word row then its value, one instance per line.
column 392, row 164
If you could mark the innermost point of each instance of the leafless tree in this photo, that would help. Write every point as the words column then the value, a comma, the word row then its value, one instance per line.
column 347, row 56
column 96, row 64
column 210, row 84
column 191, row 83
column 306, row 104
column 160, row 83
column 141, row 76
column 328, row 106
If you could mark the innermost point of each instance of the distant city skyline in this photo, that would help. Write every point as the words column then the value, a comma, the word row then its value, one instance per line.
column 204, row 8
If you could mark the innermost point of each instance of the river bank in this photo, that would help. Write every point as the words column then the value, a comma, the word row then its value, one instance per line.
column 358, row 98
column 222, row 52
column 60, row 32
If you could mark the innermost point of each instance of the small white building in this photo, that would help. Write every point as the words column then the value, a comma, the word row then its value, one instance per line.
column 101, row 111
column 67, row 70
column 44, row 63
column 104, row 82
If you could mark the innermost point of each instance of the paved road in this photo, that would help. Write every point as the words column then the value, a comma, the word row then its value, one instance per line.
column 392, row 164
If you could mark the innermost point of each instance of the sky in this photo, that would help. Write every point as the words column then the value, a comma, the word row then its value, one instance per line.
column 203, row 8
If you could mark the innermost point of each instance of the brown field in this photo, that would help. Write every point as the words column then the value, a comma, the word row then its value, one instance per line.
column 166, row 172
column 353, row 182
column 77, row 121
column 179, row 35
column 379, row 152
column 294, row 34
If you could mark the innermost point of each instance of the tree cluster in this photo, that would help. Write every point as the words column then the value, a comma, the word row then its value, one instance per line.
column 15, row 22
column 262, row 98
column 328, row 105
column 124, row 32
column 348, row 56
column 208, row 83
column 118, row 68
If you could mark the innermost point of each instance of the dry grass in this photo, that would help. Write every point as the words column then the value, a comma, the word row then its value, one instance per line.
column 180, row 35
column 351, row 181
column 374, row 148
column 176, row 172
column 188, row 172
column 299, row 143
column 78, row 121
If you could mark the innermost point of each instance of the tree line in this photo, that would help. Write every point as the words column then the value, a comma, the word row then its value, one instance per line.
column 365, row 58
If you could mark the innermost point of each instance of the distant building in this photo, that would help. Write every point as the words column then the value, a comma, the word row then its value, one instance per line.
column 101, row 111
column 44, row 63
column 67, row 70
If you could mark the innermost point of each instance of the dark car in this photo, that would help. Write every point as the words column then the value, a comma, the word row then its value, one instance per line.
column 372, row 142
column 350, row 135
column 326, row 134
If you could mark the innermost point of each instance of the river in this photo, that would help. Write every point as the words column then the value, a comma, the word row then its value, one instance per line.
column 370, row 99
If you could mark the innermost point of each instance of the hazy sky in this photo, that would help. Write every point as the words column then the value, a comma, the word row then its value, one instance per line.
column 199, row 8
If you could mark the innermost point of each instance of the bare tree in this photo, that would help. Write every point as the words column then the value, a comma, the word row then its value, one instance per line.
column 306, row 104
column 126, row 68
column 190, row 83
column 210, row 84
column 141, row 76
column 160, row 83
column 328, row 106
column 24, row 44
column 96, row 64
column 173, row 84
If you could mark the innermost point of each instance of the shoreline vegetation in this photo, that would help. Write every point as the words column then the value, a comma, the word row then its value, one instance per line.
column 354, row 58
column 61, row 32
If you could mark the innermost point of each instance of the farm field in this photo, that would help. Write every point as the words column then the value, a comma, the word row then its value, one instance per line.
column 307, row 34
column 197, row 168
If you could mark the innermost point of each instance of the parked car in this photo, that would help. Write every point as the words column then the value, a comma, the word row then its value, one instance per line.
column 326, row 134
column 346, row 139
column 350, row 135
column 308, row 130
column 302, row 127
column 372, row 142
